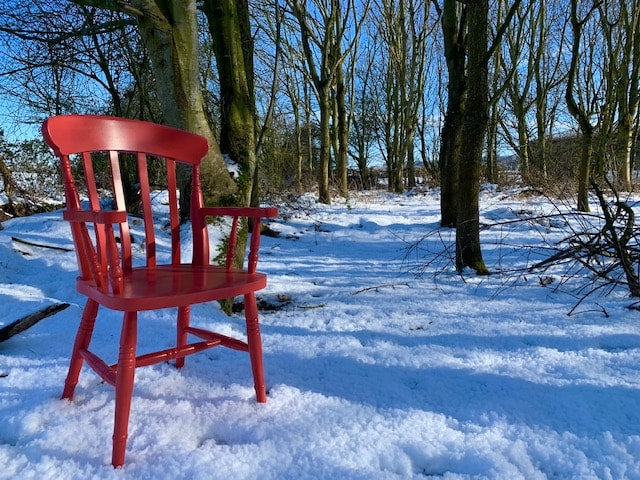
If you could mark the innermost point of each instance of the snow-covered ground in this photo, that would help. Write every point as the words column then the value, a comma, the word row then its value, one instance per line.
column 427, row 375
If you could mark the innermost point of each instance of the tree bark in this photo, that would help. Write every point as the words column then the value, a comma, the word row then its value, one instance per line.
column 468, row 252
column 324, row 104
column 584, row 169
column 454, row 32
column 9, row 185
column 228, row 25
column 342, row 133
column 169, row 30
column 627, row 92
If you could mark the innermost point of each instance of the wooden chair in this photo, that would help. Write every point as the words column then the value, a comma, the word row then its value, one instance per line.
column 107, row 275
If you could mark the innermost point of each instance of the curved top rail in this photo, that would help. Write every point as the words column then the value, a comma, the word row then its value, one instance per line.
column 69, row 134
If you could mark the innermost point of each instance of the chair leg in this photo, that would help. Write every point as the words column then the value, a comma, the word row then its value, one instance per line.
column 124, row 386
column 83, row 338
column 183, row 323
column 255, row 346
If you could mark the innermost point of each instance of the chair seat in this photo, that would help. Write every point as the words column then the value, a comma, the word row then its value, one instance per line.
column 168, row 286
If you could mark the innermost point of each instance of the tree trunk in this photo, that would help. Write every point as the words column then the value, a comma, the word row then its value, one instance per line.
column 234, row 59
column 233, row 46
column 9, row 185
column 309, row 124
column 324, row 103
column 624, row 151
column 170, row 33
column 541, row 126
column 523, row 142
column 342, row 133
column 627, row 93
column 584, row 170
column 492, row 150
column 298, row 134
column 491, row 170
column 542, row 89
column 411, row 163
column 453, row 27
column 468, row 252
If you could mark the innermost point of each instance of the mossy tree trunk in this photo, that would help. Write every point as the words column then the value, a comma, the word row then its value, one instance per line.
column 467, row 118
column 233, row 46
column 9, row 185
column 454, row 26
column 169, row 31
column 474, row 126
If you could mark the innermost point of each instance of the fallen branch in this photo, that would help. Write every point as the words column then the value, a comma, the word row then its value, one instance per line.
column 19, row 240
column 23, row 323
column 376, row 287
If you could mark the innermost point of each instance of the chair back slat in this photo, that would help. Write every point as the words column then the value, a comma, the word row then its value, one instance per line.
column 147, row 212
column 231, row 244
column 174, row 217
column 199, row 226
column 73, row 203
column 93, row 136
column 94, row 204
column 120, row 204
column 254, row 246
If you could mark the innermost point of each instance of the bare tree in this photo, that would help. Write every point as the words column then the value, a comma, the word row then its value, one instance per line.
column 453, row 18
column 547, row 77
column 621, row 24
column 362, row 133
column 233, row 45
column 496, row 87
column 8, row 184
column 58, row 60
column 468, row 54
column 404, row 30
column 292, row 89
column 579, row 112
column 521, row 47
column 474, row 123
column 169, row 30
column 323, row 28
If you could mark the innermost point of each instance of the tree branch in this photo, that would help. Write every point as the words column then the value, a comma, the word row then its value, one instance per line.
column 502, row 28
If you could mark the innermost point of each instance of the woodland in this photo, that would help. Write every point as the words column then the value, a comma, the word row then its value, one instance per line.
column 454, row 276
column 330, row 95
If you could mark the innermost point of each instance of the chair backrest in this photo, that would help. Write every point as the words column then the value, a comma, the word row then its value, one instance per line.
column 93, row 137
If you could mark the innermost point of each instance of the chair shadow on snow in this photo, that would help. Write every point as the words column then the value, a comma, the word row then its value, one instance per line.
column 463, row 394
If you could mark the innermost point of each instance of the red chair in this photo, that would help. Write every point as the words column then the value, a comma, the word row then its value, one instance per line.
column 107, row 276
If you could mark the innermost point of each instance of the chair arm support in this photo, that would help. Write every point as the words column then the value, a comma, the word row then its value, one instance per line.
column 235, row 212
column 103, row 217
column 256, row 212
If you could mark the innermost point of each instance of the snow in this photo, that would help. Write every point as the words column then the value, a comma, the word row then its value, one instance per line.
column 384, row 364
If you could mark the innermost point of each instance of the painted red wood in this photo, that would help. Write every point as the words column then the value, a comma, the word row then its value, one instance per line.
column 107, row 275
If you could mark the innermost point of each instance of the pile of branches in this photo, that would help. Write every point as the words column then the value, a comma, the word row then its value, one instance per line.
column 610, row 250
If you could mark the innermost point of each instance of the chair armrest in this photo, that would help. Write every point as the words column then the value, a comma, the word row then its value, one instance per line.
column 103, row 217
column 253, row 212
column 256, row 212
column 105, row 266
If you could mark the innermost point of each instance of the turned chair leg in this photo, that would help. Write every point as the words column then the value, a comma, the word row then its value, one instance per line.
column 255, row 346
column 183, row 323
column 83, row 338
column 124, row 386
